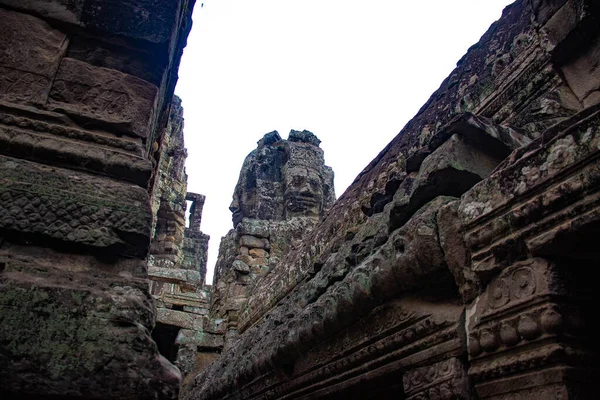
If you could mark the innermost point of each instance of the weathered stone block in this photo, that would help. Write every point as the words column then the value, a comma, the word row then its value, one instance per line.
column 304, row 137
column 61, row 10
column 458, row 257
column 196, row 310
column 481, row 133
column 583, row 74
column 30, row 52
column 174, row 275
column 528, row 204
column 66, row 332
column 240, row 267
column 134, row 18
column 201, row 339
column 253, row 227
column 446, row 380
column 34, row 139
column 454, row 157
column 523, row 331
column 559, row 18
column 63, row 206
column 144, row 64
column 186, row 358
column 258, row 253
column 179, row 318
column 196, row 299
column 104, row 97
column 253, row 242
column 452, row 169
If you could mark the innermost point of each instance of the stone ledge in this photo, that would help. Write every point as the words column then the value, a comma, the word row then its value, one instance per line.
column 199, row 298
column 179, row 318
column 174, row 275
column 201, row 339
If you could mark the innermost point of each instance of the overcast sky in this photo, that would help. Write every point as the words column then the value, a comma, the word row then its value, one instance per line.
column 352, row 72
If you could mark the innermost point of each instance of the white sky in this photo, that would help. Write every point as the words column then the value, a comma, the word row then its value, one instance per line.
column 352, row 72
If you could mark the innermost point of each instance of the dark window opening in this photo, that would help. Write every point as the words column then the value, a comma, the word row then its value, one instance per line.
column 165, row 336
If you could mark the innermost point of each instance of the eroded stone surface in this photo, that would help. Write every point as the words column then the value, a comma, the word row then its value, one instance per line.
column 177, row 261
column 88, row 323
column 29, row 57
column 457, row 265
column 78, row 170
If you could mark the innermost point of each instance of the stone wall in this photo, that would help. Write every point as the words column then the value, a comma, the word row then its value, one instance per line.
column 458, row 264
column 86, row 90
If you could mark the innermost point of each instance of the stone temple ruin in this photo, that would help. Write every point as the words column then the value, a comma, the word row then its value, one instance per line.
column 458, row 265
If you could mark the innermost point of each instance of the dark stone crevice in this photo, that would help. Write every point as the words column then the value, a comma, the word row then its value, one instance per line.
column 165, row 336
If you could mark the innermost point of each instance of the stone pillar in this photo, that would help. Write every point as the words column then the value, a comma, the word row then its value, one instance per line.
column 195, row 210
column 530, row 229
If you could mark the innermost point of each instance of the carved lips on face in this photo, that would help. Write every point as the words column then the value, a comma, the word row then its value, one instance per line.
column 236, row 211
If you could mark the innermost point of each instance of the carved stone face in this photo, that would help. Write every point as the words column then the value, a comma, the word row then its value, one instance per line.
column 242, row 205
column 283, row 179
column 303, row 192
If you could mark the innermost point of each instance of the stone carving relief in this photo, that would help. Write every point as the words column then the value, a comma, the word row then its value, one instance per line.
column 29, row 56
column 442, row 380
column 283, row 179
column 521, row 323
column 284, row 189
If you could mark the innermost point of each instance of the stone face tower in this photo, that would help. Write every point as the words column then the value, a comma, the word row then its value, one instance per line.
column 283, row 191
column 283, row 179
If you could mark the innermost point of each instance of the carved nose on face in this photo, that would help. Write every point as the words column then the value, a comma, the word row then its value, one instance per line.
column 234, row 205
column 305, row 188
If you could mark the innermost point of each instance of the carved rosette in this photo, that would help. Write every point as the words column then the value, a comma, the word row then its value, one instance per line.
column 525, row 321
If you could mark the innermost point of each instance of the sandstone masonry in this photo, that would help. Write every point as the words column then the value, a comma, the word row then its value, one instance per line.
column 86, row 95
column 458, row 265
column 459, row 262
